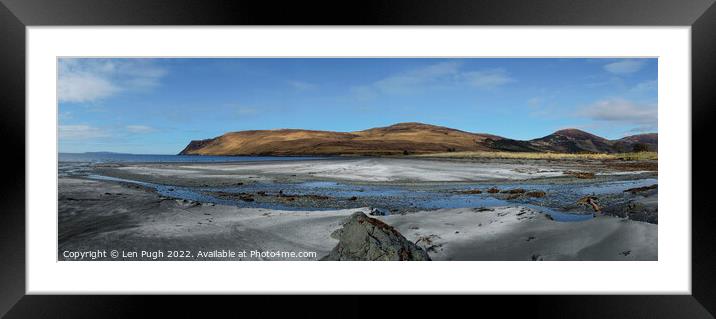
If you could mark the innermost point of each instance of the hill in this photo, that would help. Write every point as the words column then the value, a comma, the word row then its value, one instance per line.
column 401, row 138
column 573, row 141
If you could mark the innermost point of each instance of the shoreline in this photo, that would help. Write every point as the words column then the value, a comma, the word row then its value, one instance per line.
column 432, row 202
column 132, row 219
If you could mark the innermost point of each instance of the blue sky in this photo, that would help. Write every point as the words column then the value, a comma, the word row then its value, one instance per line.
column 156, row 106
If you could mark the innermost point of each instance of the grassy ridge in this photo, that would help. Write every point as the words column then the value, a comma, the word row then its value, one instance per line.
column 639, row 156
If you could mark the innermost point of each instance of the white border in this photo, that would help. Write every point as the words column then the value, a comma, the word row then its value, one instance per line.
column 670, row 275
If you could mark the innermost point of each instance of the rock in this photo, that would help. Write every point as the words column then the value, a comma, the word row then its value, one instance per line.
column 365, row 238
column 640, row 189
column 470, row 191
column 538, row 194
column 187, row 203
column 377, row 212
column 493, row 190
column 246, row 197
column 353, row 198
column 428, row 243
column 640, row 211
column 514, row 191
column 590, row 201
column 581, row 175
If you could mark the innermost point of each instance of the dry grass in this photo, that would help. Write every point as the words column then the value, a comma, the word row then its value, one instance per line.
column 551, row 156
column 640, row 156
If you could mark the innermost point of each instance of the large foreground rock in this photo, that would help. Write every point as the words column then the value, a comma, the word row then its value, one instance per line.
column 365, row 238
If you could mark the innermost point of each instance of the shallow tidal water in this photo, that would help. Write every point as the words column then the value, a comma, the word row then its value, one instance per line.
column 559, row 201
column 396, row 199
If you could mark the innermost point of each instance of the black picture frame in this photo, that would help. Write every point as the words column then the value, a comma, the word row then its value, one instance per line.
column 16, row 15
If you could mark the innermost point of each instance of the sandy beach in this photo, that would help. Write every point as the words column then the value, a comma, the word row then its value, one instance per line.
column 106, row 215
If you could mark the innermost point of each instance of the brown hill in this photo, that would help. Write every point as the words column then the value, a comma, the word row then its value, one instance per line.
column 402, row 138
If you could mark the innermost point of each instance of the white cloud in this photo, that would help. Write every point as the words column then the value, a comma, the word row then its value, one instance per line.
column 89, row 79
column 625, row 66
column 487, row 78
column 80, row 132
column 624, row 111
column 84, row 87
column 139, row 128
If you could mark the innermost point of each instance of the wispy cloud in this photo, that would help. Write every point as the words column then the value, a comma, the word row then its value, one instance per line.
column 410, row 80
column 644, row 116
column 487, row 78
column 139, row 129
column 641, row 129
column 535, row 101
column 450, row 73
column 65, row 115
column 624, row 67
column 246, row 110
column 301, row 85
column 645, row 86
column 363, row 92
column 88, row 79
column 240, row 109
column 80, row 132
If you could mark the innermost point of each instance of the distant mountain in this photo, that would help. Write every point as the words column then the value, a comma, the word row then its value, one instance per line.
column 105, row 153
column 401, row 138
column 627, row 144
column 573, row 141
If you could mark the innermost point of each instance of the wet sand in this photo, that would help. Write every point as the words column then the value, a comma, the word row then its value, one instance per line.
column 365, row 170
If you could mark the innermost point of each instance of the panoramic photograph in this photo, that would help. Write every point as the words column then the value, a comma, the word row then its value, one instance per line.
column 357, row 159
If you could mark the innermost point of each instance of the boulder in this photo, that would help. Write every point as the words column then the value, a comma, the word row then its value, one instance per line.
column 365, row 238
